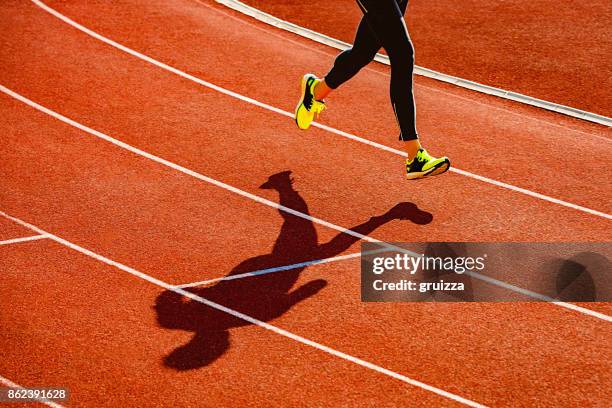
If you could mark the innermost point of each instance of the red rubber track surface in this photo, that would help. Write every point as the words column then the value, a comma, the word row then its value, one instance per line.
column 556, row 51
column 10, row 230
column 70, row 320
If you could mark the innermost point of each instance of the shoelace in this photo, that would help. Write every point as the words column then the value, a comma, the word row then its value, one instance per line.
column 423, row 156
column 317, row 108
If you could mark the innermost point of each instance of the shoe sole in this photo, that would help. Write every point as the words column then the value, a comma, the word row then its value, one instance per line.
column 441, row 168
column 303, row 82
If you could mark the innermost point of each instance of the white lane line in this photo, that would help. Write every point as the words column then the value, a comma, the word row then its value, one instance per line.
column 281, row 268
column 245, row 317
column 439, row 76
column 180, row 168
column 316, row 124
column 254, row 197
column 422, row 71
column 24, row 239
column 476, row 275
column 11, row 384
column 538, row 296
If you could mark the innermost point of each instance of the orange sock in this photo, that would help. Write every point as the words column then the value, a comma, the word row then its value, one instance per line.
column 321, row 90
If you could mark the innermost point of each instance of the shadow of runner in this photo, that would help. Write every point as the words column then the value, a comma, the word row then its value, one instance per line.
column 264, row 297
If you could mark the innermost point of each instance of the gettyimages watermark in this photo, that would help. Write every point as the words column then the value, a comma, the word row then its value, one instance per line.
column 486, row 272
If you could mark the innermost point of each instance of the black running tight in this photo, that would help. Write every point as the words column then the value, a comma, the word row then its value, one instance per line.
column 383, row 26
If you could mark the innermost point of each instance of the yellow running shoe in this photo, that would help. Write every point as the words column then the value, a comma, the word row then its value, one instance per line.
column 424, row 165
column 308, row 106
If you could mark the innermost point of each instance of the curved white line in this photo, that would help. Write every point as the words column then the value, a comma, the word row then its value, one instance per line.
column 386, row 74
column 23, row 239
column 236, row 95
column 245, row 317
column 272, row 204
column 439, row 76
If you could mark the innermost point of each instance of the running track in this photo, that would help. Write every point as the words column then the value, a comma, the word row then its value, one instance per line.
column 135, row 177
column 556, row 51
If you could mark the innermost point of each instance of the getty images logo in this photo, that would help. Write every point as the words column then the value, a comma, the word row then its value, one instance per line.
column 411, row 264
